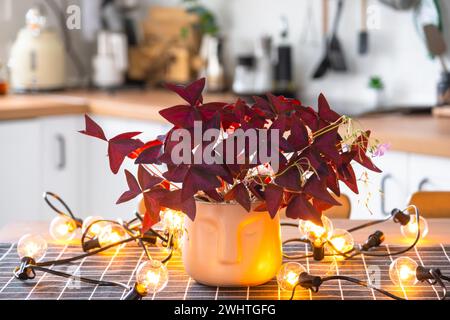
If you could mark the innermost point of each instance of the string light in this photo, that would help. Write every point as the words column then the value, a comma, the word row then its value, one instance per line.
column 172, row 220
column 93, row 225
column 151, row 277
column 63, row 228
column 314, row 232
column 32, row 246
column 288, row 275
column 402, row 271
column 110, row 234
column 341, row 241
column 410, row 229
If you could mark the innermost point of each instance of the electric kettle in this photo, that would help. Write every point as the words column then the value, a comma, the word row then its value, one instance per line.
column 37, row 59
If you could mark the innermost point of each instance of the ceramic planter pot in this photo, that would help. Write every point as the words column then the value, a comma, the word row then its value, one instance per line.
column 228, row 246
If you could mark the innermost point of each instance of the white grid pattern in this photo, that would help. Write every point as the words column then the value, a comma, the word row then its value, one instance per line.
column 121, row 266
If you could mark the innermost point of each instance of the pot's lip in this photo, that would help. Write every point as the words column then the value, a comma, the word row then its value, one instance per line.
column 234, row 203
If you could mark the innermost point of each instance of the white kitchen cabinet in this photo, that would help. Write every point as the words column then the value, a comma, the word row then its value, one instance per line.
column 429, row 173
column 380, row 192
column 20, row 171
column 63, row 161
column 104, row 188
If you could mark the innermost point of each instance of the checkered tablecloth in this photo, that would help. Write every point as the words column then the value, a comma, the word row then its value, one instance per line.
column 120, row 265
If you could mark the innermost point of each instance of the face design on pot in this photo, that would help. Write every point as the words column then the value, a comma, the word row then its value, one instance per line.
column 232, row 242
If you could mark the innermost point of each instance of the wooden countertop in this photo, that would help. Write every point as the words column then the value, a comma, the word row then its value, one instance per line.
column 422, row 134
column 439, row 231
column 133, row 104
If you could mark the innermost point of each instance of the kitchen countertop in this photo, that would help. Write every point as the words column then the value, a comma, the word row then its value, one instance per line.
column 422, row 134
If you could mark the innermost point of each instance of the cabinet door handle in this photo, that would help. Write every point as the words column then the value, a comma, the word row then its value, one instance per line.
column 422, row 183
column 61, row 165
column 383, row 194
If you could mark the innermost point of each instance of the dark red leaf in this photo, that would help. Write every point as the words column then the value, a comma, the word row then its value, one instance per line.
column 298, row 138
column 192, row 93
column 264, row 107
column 181, row 116
column 176, row 173
column 146, row 179
column 325, row 112
column 173, row 201
column 120, row 147
column 300, row 208
column 360, row 149
column 241, row 195
column 318, row 189
column 197, row 179
column 93, row 129
column 149, row 153
column 290, row 179
column 133, row 188
column 326, row 144
column 273, row 195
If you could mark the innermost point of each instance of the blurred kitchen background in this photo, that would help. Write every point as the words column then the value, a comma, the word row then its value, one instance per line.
column 366, row 56
column 396, row 49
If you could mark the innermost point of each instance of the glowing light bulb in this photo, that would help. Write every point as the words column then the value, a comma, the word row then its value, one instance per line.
column 110, row 234
column 95, row 225
column 402, row 271
column 31, row 246
column 151, row 277
column 410, row 230
column 172, row 220
column 288, row 275
column 63, row 228
column 341, row 241
column 315, row 233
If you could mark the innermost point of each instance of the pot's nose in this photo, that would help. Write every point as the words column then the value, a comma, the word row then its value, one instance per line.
column 229, row 248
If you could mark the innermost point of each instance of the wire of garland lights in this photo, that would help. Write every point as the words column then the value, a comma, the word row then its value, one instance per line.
column 99, row 235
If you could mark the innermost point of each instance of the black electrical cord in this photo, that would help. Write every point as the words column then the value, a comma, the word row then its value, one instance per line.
column 67, row 213
column 82, row 279
column 356, row 252
column 319, row 281
column 88, row 254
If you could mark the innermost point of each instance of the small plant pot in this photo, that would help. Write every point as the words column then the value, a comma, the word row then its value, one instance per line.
column 228, row 246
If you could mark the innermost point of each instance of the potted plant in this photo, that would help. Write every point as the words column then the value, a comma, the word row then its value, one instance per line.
column 232, row 190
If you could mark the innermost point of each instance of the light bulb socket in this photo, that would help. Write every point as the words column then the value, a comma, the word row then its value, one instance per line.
column 150, row 238
column 91, row 244
column 134, row 294
column 78, row 222
column 310, row 282
column 425, row 274
column 374, row 240
column 400, row 217
column 25, row 271
column 318, row 252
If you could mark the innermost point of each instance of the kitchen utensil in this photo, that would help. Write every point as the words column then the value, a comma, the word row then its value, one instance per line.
column 284, row 83
column 244, row 75
column 436, row 43
column 323, row 66
column 363, row 44
column 400, row 4
column 111, row 60
column 213, row 69
column 427, row 12
column 37, row 59
column 336, row 54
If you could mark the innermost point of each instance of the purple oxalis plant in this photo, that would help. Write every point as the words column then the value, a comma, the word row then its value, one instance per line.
column 312, row 158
